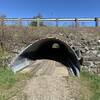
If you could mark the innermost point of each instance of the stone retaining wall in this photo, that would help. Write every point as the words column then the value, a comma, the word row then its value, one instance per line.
column 87, row 40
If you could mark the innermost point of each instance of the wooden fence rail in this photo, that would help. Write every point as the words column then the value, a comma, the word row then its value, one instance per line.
column 38, row 20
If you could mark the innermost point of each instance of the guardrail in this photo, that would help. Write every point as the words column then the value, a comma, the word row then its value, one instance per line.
column 38, row 20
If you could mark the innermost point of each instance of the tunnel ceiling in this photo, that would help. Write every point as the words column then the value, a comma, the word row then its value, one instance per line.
column 48, row 48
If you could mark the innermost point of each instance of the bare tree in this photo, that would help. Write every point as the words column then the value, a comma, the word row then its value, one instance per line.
column 35, row 23
column 2, row 31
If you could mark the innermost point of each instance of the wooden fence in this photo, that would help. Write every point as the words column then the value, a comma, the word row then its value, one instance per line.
column 57, row 20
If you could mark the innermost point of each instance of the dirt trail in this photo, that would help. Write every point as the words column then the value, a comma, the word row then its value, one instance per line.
column 50, row 81
column 47, row 67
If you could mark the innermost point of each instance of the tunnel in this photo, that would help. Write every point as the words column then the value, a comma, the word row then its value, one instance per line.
column 48, row 48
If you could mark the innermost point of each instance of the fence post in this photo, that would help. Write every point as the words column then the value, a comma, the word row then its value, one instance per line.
column 96, row 22
column 20, row 22
column 38, row 22
column 2, row 34
column 76, row 22
column 56, row 22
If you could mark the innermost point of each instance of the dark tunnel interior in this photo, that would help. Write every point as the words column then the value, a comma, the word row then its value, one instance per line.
column 53, row 49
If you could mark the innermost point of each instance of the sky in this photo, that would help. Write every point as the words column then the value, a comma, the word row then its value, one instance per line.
column 50, row 8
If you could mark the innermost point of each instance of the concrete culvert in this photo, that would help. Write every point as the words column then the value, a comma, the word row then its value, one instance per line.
column 48, row 48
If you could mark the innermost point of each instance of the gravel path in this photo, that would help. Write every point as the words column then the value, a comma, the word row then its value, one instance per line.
column 52, row 88
column 51, row 82
column 47, row 67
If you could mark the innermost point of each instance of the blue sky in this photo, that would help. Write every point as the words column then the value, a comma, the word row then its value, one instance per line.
column 50, row 8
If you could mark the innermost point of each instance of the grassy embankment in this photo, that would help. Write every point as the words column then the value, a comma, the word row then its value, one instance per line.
column 92, row 83
column 11, row 84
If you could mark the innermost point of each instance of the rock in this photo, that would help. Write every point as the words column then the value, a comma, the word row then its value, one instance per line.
column 86, row 63
column 93, row 70
column 93, row 48
column 98, row 41
column 90, row 58
column 98, row 55
column 97, row 62
column 95, row 52
column 86, row 48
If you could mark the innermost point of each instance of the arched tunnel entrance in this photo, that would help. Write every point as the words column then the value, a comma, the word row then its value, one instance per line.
column 49, row 48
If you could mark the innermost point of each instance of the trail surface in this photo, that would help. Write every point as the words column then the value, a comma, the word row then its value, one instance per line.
column 47, row 67
column 50, row 81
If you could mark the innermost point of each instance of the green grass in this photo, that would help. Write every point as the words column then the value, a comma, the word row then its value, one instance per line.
column 7, row 78
column 93, row 84
column 10, row 83
column 9, row 86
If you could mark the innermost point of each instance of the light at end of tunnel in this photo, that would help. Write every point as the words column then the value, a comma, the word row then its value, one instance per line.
column 55, row 46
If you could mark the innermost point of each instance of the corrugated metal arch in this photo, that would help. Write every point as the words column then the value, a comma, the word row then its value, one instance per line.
column 48, row 48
